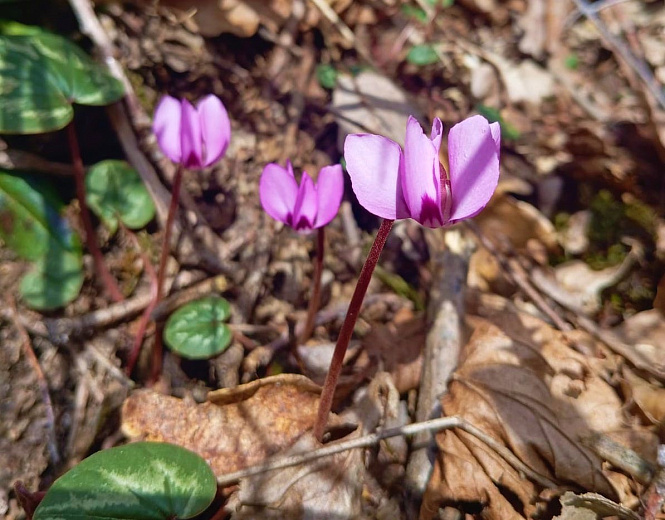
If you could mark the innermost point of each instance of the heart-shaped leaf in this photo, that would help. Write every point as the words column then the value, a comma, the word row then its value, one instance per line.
column 115, row 191
column 197, row 330
column 141, row 481
column 31, row 225
column 41, row 75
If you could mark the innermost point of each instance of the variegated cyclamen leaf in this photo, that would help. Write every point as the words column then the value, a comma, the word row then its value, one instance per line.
column 41, row 75
column 141, row 481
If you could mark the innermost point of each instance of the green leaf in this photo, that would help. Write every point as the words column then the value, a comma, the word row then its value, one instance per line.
column 53, row 281
column 140, row 481
column 327, row 76
column 30, row 221
column 414, row 12
column 422, row 55
column 41, row 75
column 572, row 61
column 115, row 191
column 31, row 225
column 197, row 330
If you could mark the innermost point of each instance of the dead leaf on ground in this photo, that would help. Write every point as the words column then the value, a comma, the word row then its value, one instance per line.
column 517, row 221
column 236, row 428
column 649, row 397
column 525, row 387
column 398, row 347
column 329, row 487
column 645, row 332
column 577, row 286
column 371, row 103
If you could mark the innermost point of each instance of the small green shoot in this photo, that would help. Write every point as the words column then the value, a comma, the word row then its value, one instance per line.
column 508, row 131
column 422, row 55
column 327, row 76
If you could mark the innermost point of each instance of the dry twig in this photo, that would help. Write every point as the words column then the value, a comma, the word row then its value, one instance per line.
column 433, row 425
column 41, row 381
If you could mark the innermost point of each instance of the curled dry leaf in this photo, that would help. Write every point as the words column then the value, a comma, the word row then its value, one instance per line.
column 329, row 487
column 236, row 428
column 524, row 386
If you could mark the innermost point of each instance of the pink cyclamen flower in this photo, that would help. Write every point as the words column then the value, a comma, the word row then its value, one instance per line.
column 194, row 137
column 306, row 207
column 396, row 184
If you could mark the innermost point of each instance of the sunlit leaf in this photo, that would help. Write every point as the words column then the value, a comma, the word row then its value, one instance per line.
column 141, row 481
column 197, row 330
column 115, row 191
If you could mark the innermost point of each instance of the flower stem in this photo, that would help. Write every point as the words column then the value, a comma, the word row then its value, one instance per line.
column 315, row 297
column 161, row 273
column 90, row 239
column 325, row 404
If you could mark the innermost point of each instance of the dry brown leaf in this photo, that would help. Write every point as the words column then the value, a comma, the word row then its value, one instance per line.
column 371, row 103
column 517, row 221
column 525, row 387
column 237, row 428
column 649, row 397
column 645, row 331
column 329, row 487
column 399, row 347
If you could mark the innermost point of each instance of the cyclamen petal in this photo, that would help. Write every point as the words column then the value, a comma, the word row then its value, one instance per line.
column 215, row 128
column 278, row 191
column 194, row 137
column 166, row 126
column 329, row 193
column 421, row 181
column 190, row 137
column 412, row 184
column 374, row 164
column 473, row 154
column 306, row 207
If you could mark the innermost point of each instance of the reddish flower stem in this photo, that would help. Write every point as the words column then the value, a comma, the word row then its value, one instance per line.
column 90, row 238
column 315, row 297
column 325, row 404
column 157, row 347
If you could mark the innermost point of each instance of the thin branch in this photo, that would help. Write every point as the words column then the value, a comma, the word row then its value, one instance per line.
column 444, row 423
column 41, row 381
column 642, row 70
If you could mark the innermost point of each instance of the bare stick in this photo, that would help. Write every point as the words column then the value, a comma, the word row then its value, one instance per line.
column 450, row 251
column 86, row 221
column 315, row 296
column 325, row 404
column 623, row 51
column 444, row 423
column 41, row 381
